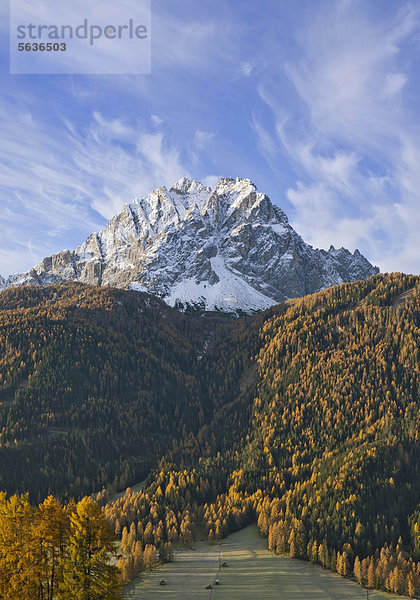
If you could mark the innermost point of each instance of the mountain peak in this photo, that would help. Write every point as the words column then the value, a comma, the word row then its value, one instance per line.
column 226, row 248
column 226, row 185
column 185, row 185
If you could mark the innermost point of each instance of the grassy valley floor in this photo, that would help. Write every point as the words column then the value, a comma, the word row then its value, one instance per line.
column 186, row 578
column 253, row 573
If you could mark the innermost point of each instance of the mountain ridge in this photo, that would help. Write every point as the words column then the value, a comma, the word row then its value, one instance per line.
column 225, row 248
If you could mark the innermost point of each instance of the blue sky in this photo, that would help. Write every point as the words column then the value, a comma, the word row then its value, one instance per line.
column 316, row 102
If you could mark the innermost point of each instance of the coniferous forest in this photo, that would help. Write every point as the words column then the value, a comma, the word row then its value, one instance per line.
column 304, row 418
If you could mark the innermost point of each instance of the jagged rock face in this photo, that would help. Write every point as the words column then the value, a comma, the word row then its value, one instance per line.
column 228, row 248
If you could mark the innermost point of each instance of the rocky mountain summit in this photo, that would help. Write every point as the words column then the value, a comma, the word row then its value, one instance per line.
column 226, row 248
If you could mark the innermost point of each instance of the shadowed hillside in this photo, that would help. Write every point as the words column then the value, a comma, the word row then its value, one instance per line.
column 94, row 385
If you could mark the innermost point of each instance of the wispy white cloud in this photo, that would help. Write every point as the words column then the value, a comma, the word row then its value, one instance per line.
column 207, row 41
column 203, row 138
column 267, row 143
column 349, row 72
column 247, row 68
column 118, row 162
column 63, row 185
column 351, row 137
column 156, row 120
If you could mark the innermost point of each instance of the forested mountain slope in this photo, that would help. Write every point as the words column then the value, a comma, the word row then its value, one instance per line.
column 304, row 417
column 94, row 384
column 329, row 459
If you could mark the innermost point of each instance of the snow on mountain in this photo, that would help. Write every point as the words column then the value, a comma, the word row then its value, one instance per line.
column 226, row 248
